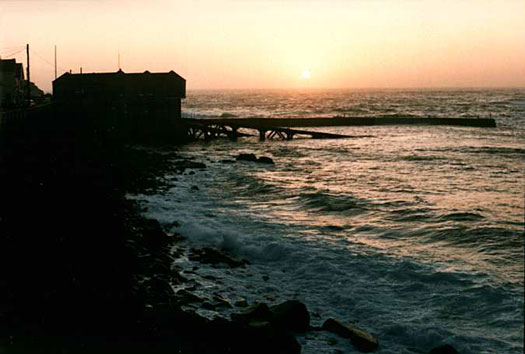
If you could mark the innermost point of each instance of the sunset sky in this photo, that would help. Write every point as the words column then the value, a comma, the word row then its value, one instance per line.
column 276, row 44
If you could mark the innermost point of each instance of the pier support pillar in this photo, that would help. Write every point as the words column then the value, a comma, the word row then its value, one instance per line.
column 233, row 134
column 262, row 135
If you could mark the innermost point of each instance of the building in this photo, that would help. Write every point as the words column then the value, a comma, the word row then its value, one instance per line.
column 11, row 84
column 133, row 104
column 168, row 88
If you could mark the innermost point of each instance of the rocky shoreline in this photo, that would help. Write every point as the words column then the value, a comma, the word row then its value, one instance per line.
column 249, row 326
column 83, row 272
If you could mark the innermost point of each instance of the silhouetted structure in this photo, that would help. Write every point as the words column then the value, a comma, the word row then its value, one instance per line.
column 11, row 83
column 133, row 105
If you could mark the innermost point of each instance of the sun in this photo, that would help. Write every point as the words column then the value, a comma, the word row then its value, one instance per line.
column 306, row 74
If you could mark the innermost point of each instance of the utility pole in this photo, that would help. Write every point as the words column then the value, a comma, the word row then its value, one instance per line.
column 55, row 62
column 28, row 78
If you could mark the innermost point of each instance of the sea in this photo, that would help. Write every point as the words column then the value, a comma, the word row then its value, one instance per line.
column 412, row 233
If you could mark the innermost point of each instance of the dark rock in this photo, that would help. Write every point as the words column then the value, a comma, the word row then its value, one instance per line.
column 152, row 231
column 208, row 306
column 241, row 302
column 265, row 159
column 257, row 312
column 444, row 349
column 265, row 278
column 194, row 188
column 246, row 157
column 187, row 297
column 159, row 288
column 209, row 277
column 189, row 164
column 227, row 161
column 221, row 301
column 291, row 315
column 213, row 256
column 361, row 340
column 191, row 172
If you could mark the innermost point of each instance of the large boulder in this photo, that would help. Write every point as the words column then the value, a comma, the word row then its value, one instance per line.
column 246, row 157
column 361, row 340
column 291, row 315
column 444, row 349
column 265, row 159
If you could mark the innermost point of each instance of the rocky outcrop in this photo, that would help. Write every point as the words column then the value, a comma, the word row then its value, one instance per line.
column 361, row 340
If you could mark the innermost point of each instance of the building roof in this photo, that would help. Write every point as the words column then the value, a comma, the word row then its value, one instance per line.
column 168, row 84
column 7, row 65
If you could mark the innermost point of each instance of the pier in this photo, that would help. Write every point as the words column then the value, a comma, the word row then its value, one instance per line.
column 215, row 128
column 285, row 128
column 355, row 121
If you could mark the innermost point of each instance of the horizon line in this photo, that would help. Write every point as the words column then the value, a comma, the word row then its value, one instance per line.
column 360, row 88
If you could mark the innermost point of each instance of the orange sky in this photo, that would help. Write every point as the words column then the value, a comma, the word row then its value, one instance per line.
column 270, row 43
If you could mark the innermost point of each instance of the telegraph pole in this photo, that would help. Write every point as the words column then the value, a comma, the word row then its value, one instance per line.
column 55, row 62
column 28, row 88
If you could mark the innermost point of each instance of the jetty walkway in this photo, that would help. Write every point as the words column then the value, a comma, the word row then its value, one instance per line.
column 285, row 128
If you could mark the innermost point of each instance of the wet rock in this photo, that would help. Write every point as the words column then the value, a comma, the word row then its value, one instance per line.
column 227, row 161
column 209, row 277
column 362, row 341
column 259, row 311
column 291, row 315
column 159, row 288
column 152, row 232
column 265, row 159
column 186, row 297
column 184, row 164
column 444, row 349
column 208, row 306
column 241, row 302
column 194, row 188
column 213, row 256
column 265, row 278
column 220, row 301
column 191, row 172
column 246, row 157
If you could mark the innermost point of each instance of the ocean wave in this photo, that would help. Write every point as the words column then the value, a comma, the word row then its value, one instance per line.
column 423, row 158
column 461, row 216
column 325, row 202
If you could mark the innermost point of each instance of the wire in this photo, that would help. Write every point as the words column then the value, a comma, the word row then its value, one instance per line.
column 10, row 49
column 47, row 61
column 12, row 54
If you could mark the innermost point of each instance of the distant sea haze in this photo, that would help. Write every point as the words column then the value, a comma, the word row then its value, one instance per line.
column 415, row 231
